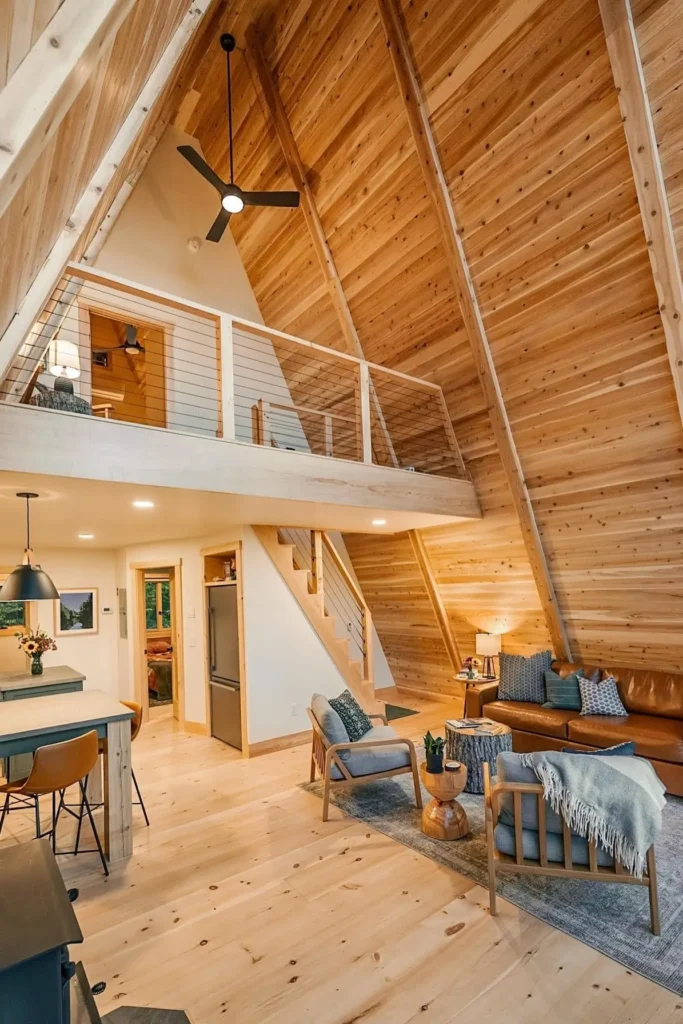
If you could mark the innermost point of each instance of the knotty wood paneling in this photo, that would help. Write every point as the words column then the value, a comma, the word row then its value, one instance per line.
column 527, row 124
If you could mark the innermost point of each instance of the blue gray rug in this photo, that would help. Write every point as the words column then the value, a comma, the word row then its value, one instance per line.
column 613, row 919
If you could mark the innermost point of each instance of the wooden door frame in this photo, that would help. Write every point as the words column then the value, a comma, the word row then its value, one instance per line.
column 218, row 549
column 139, row 633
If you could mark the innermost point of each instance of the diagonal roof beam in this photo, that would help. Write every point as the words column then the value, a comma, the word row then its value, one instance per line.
column 39, row 94
column 434, row 595
column 418, row 118
column 627, row 71
column 45, row 281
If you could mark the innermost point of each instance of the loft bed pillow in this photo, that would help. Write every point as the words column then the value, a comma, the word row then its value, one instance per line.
column 564, row 693
column 601, row 698
column 523, row 679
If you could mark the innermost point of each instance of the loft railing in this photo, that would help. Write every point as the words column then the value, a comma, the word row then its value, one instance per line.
column 143, row 356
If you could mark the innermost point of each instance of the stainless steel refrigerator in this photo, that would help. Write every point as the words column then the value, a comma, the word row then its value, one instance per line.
column 224, row 666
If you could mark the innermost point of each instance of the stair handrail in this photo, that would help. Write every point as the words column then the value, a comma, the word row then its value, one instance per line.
column 368, row 668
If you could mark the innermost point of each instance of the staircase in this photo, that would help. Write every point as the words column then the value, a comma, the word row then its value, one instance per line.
column 316, row 575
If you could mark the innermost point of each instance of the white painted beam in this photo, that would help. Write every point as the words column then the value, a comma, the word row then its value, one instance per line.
column 37, row 97
column 51, row 271
column 627, row 71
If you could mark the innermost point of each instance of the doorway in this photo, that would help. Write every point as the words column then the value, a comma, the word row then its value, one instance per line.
column 159, row 640
column 128, row 370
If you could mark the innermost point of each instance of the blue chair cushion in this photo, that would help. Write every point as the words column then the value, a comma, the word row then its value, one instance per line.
column 381, row 759
column 330, row 722
column 504, row 839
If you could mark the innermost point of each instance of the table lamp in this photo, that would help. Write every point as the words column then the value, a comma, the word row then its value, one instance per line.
column 64, row 364
column 488, row 645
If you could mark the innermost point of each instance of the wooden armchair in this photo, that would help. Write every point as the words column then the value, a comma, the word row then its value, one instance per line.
column 325, row 756
column 545, row 864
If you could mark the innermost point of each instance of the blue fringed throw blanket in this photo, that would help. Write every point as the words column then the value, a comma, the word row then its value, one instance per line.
column 617, row 801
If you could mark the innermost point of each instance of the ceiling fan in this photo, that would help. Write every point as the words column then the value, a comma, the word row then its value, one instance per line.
column 233, row 198
column 131, row 346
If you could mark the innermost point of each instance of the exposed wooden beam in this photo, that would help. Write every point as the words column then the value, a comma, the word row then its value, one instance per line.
column 432, row 588
column 40, row 92
column 274, row 110
column 627, row 70
column 51, row 271
column 418, row 118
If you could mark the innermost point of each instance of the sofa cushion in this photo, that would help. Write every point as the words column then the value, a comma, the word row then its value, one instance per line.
column 504, row 838
column 522, row 679
column 330, row 722
column 530, row 717
column 649, row 693
column 660, row 738
column 381, row 759
column 565, row 668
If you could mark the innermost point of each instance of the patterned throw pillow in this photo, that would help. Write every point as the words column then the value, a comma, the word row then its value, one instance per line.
column 601, row 698
column 352, row 715
column 564, row 693
column 523, row 678
column 625, row 749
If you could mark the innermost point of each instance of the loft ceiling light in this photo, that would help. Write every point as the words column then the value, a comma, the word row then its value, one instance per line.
column 28, row 582
column 143, row 504
column 379, row 522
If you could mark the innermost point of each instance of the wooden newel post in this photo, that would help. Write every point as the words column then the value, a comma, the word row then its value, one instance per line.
column 227, row 385
column 317, row 560
column 366, row 430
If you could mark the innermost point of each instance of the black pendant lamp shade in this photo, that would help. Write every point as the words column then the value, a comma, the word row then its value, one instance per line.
column 28, row 582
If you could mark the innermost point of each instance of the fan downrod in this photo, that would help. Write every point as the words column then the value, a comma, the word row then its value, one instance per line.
column 228, row 42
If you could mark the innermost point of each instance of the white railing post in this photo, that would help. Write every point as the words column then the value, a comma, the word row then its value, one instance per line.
column 227, row 393
column 366, row 431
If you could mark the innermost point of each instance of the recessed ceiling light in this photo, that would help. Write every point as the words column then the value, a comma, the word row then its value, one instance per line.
column 379, row 522
column 86, row 536
column 143, row 504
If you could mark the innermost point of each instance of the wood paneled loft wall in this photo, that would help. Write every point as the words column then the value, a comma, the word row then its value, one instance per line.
column 525, row 115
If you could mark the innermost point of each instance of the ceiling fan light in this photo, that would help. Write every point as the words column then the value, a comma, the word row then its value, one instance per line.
column 232, row 203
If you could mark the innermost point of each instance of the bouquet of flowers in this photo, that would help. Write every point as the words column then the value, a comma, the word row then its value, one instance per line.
column 471, row 665
column 35, row 642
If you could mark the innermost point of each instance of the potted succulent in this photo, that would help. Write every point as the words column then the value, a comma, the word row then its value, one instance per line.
column 35, row 643
column 434, row 753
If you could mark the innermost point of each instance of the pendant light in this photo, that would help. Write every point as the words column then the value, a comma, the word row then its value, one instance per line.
column 28, row 582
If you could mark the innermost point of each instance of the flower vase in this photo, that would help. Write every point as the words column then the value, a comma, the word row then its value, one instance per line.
column 36, row 664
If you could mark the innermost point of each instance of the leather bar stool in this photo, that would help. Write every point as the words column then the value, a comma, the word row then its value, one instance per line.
column 135, row 724
column 55, row 768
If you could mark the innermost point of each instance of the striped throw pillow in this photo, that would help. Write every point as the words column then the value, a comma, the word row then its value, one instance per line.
column 562, row 693
column 523, row 678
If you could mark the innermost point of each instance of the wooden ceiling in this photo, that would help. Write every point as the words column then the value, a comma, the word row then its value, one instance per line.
column 525, row 116
column 526, row 120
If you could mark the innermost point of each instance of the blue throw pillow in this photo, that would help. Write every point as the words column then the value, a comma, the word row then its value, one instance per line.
column 523, row 678
column 601, row 698
column 352, row 715
column 564, row 693
column 626, row 749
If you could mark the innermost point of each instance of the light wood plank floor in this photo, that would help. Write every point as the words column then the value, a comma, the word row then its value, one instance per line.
column 240, row 905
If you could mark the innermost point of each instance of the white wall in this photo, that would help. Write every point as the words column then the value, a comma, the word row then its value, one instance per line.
column 286, row 662
column 96, row 655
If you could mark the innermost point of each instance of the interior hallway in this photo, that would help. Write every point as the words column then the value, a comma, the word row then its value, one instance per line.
column 240, row 905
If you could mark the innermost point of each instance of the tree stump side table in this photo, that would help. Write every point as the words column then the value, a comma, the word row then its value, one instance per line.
column 444, row 817
column 475, row 746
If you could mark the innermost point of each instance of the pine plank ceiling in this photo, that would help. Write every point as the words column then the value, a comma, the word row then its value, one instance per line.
column 525, row 115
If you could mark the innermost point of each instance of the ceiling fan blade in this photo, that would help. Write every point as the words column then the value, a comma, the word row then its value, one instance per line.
column 218, row 227
column 200, row 164
column 289, row 199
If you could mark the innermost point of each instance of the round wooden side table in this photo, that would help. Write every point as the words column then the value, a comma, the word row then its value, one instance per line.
column 475, row 746
column 444, row 817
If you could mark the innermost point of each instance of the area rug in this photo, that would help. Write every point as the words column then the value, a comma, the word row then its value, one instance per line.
column 394, row 711
column 614, row 919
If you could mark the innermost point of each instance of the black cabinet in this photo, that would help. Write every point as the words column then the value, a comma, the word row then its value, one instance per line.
column 38, row 925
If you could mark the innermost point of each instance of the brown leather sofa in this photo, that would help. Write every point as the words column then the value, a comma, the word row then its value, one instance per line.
column 654, row 701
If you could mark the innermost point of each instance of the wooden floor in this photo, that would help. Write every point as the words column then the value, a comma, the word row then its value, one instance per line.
column 240, row 905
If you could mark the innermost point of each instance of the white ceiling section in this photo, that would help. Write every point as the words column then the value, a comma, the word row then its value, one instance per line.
column 67, row 507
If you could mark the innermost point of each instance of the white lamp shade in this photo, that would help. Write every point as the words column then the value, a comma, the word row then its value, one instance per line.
column 488, row 644
column 63, row 359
